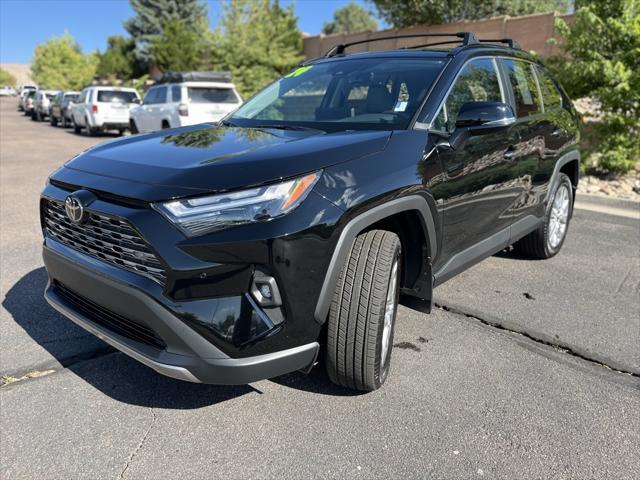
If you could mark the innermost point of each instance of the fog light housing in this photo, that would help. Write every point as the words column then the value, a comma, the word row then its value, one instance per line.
column 264, row 290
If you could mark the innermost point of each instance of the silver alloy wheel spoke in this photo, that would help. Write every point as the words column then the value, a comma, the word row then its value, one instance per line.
column 559, row 217
column 388, row 313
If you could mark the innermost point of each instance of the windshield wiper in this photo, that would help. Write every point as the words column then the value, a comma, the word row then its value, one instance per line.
column 280, row 126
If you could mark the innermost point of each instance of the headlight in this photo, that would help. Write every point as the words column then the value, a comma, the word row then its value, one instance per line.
column 197, row 216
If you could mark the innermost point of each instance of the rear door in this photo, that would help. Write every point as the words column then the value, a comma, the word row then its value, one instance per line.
column 531, row 127
column 114, row 105
column 479, row 189
column 210, row 104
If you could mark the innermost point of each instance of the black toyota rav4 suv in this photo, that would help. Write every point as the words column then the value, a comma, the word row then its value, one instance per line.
column 232, row 252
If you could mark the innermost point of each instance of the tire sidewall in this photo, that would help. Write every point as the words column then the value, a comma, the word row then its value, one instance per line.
column 563, row 181
column 382, row 370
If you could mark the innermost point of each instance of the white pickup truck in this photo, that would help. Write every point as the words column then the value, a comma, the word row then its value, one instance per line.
column 179, row 100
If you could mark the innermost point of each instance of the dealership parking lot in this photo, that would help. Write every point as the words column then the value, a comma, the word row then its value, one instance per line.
column 527, row 369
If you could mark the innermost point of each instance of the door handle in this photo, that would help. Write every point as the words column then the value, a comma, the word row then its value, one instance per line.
column 510, row 153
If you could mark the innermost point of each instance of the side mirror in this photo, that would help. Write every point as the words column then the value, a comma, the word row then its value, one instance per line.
column 485, row 117
column 136, row 101
column 478, row 118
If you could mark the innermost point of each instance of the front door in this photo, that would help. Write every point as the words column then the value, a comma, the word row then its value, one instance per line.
column 479, row 189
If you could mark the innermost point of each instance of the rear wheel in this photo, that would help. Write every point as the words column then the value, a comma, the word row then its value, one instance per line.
column 165, row 125
column 53, row 121
column 362, row 314
column 76, row 127
column 133, row 127
column 547, row 240
column 63, row 121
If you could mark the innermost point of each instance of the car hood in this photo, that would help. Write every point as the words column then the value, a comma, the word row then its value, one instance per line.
column 201, row 159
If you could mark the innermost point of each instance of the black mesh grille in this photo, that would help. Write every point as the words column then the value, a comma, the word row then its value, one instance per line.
column 108, row 319
column 110, row 239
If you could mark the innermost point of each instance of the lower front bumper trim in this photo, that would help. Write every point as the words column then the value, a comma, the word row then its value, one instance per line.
column 172, row 371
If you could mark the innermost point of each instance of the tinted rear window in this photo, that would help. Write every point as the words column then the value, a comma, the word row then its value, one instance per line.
column 51, row 96
column 212, row 95
column 114, row 96
column 71, row 98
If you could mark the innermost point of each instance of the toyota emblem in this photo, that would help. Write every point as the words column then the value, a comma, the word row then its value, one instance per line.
column 74, row 209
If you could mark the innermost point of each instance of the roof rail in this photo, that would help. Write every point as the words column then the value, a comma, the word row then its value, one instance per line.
column 466, row 38
column 509, row 41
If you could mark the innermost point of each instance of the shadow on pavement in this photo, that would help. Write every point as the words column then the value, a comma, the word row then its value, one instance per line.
column 117, row 375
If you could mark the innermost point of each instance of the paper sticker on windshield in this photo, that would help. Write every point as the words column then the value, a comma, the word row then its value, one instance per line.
column 400, row 106
column 298, row 71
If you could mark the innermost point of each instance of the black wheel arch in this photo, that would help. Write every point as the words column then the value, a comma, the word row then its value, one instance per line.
column 419, row 242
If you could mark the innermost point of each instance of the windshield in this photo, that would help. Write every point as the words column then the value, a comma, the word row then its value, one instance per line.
column 116, row 96
column 211, row 95
column 372, row 93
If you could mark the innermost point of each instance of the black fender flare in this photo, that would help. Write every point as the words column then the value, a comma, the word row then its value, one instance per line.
column 573, row 155
column 360, row 223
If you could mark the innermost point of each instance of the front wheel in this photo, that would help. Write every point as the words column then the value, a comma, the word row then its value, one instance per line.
column 76, row 128
column 547, row 240
column 363, row 311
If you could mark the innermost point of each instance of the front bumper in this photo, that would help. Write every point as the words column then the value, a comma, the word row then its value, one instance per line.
column 210, row 327
column 187, row 355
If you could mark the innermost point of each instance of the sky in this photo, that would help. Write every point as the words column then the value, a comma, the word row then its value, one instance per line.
column 26, row 23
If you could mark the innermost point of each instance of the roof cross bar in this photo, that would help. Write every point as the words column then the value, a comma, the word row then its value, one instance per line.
column 509, row 41
column 468, row 38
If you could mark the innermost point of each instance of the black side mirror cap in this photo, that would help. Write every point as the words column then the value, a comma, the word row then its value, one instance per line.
column 485, row 114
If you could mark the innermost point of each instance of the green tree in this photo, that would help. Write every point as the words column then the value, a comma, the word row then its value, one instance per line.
column 151, row 15
column 59, row 63
column 6, row 78
column 118, row 61
column 349, row 19
column 430, row 12
column 177, row 48
column 601, row 60
column 258, row 41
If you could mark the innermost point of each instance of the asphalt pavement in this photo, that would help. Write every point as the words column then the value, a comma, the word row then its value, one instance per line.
column 527, row 369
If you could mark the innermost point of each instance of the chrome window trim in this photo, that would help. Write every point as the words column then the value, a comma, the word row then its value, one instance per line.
column 428, row 125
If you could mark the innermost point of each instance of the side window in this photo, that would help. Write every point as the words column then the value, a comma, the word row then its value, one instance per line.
column 550, row 94
column 478, row 82
column 150, row 97
column 176, row 93
column 161, row 95
column 524, row 86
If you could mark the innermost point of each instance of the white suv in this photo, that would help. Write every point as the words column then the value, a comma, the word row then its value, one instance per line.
column 170, row 105
column 103, row 108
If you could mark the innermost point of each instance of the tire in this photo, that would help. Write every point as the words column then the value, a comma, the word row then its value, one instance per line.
column 165, row 125
column 63, row 122
column 359, row 343
column 76, row 128
column 133, row 127
column 34, row 116
column 53, row 121
column 547, row 240
column 90, row 131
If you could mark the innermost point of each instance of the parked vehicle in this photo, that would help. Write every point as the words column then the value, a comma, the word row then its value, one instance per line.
column 60, row 109
column 24, row 91
column 7, row 91
column 41, row 104
column 185, row 99
column 103, row 108
column 28, row 102
column 234, row 252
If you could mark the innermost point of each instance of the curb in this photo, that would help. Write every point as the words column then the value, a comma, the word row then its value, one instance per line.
column 606, row 201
